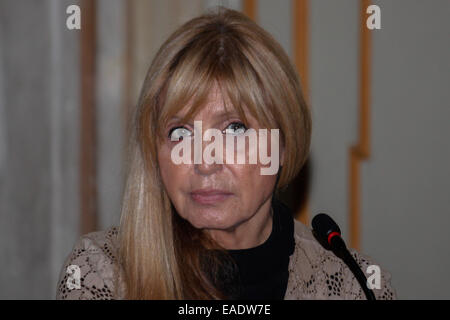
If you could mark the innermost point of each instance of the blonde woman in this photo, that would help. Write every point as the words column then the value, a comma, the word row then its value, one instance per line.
column 194, row 226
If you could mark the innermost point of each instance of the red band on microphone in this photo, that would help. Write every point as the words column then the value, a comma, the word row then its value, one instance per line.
column 331, row 235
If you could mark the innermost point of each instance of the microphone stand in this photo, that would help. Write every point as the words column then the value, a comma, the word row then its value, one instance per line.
column 339, row 248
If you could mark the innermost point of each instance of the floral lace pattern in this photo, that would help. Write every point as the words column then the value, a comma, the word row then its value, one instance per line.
column 94, row 254
column 314, row 273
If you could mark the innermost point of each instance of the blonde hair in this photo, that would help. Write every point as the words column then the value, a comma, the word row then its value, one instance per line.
column 163, row 256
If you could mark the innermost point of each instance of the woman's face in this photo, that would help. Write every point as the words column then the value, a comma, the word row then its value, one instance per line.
column 216, row 197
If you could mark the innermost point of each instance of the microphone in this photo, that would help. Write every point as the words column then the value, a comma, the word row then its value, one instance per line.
column 328, row 234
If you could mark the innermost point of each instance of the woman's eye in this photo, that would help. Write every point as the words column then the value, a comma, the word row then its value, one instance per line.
column 178, row 133
column 235, row 128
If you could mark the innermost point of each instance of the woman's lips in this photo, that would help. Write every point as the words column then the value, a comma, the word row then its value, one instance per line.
column 210, row 196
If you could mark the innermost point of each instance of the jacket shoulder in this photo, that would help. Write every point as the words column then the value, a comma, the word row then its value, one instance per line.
column 93, row 260
column 316, row 273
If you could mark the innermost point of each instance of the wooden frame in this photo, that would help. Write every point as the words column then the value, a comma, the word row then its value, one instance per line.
column 88, row 140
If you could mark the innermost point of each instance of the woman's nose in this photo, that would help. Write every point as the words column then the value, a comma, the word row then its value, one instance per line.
column 205, row 169
column 209, row 163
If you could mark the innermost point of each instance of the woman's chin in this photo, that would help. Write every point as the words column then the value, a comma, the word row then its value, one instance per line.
column 211, row 219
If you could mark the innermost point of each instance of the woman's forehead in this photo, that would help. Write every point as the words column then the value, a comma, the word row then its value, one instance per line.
column 214, row 102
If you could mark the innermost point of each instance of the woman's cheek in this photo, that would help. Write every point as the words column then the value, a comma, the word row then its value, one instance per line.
column 169, row 170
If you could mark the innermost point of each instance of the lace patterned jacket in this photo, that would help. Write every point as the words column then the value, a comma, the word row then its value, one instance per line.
column 314, row 273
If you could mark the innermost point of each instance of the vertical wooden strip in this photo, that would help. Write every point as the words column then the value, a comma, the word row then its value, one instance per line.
column 354, row 198
column 88, row 174
column 250, row 9
column 301, row 49
column 301, row 42
column 360, row 151
column 365, row 75
column 128, row 69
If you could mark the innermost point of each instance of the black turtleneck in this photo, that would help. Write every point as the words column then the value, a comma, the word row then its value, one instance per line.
column 263, row 270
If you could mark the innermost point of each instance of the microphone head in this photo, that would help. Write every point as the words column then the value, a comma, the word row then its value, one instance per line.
column 324, row 228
